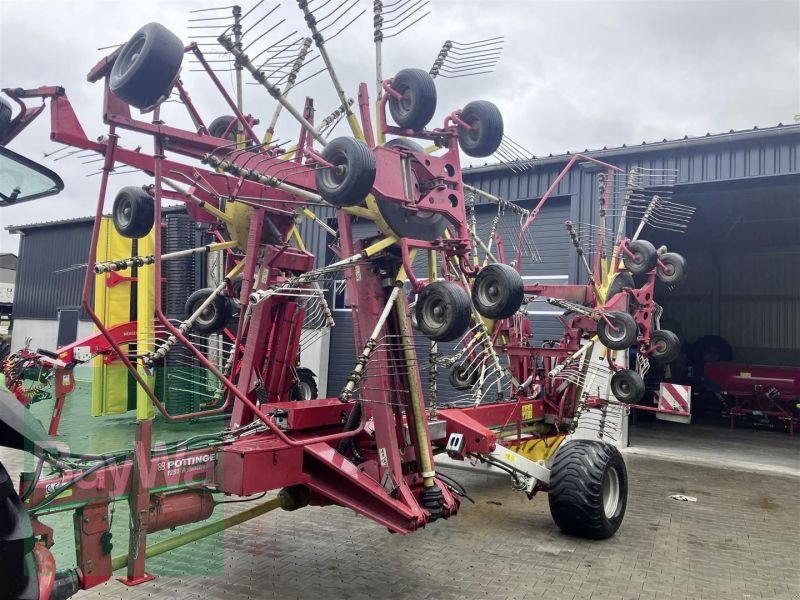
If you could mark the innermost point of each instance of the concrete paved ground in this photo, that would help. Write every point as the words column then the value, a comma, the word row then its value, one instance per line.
column 717, row 445
column 738, row 541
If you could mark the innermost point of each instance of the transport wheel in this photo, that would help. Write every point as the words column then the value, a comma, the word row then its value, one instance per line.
column 486, row 131
column 305, row 386
column 419, row 225
column 5, row 116
column 351, row 179
column 415, row 109
column 673, row 269
column 463, row 376
column 5, row 350
column 624, row 333
column 498, row 291
column 588, row 489
column 443, row 311
column 220, row 125
column 621, row 281
column 18, row 567
column 216, row 315
column 147, row 66
column 133, row 213
column 627, row 386
column 665, row 345
column 643, row 258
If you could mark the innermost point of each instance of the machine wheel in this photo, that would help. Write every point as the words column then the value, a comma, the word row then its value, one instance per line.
column 220, row 125
column 415, row 109
column 351, row 180
column 305, row 386
column 404, row 143
column 627, row 386
column 588, row 489
column 486, row 131
column 463, row 376
column 5, row 116
column 216, row 315
column 421, row 225
column 673, row 269
column 133, row 212
column 18, row 567
column 5, row 350
column 621, row 281
column 443, row 311
column 498, row 291
column 623, row 336
column 665, row 345
column 147, row 66
column 644, row 257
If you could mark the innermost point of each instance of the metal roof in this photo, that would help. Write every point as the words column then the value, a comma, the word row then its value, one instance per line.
column 678, row 143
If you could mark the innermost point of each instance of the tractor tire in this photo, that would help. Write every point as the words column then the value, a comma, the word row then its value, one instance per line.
column 498, row 291
column 215, row 317
column 133, row 213
column 147, row 66
column 220, row 125
column 486, row 131
column 305, row 386
column 5, row 350
column 419, row 225
column 588, row 489
column 621, row 281
column 665, row 345
column 418, row 104
column 5, row 118
column 18, row 567
column 351, row 181
column 627, row 386
column 463, row 376
column 626, row 331
column 443, row 311
column 644, row 257
column 673, row 269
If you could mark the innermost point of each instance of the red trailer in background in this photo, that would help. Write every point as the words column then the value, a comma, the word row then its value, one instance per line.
column 772, row 392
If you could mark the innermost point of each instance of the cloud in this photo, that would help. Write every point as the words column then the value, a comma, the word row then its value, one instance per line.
column 573, row 75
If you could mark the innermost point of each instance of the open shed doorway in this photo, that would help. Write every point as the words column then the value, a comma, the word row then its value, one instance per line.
column 737, row 311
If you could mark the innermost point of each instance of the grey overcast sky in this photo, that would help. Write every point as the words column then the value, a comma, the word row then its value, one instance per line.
column 573, row 75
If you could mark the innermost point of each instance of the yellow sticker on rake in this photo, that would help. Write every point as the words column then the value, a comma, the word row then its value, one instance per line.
column 527, row 411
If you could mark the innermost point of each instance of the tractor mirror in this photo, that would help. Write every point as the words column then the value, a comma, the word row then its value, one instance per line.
column 22, row 179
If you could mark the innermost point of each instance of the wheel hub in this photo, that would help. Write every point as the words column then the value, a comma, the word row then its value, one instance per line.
column 610, row 492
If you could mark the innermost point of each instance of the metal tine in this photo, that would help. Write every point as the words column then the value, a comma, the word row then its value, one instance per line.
column 400, row 21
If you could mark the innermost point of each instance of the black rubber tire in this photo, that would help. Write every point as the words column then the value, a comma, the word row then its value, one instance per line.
column 627, row 386
column 644, row 257
column 665, row 346
column 220, row 125
column 418, row 105
column 305, row 386
column 463, row 376
column 5, row 350
column 350, row 186
column 18, row 567
column 710, row 348
column 5, row 117
column 582, row 471
column 674, row 269
column 498, row 291
column 421, row 225
column 147, row 66
column 487, row 129
column 621, row 281
column 133, row 213
column 626, row 334
column 404, row 143
column 443, row 311
column 216, row 316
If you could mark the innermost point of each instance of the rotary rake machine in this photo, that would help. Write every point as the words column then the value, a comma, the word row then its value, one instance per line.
column 374, row 447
